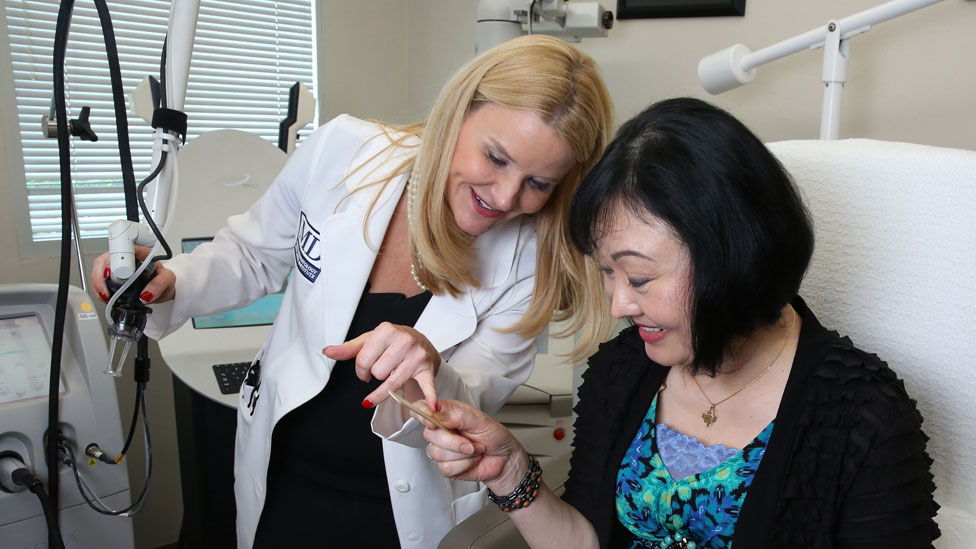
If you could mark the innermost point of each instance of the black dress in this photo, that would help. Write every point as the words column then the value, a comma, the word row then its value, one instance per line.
column 327, row 482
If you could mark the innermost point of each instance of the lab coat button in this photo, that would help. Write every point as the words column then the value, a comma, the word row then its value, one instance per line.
column 402, row 486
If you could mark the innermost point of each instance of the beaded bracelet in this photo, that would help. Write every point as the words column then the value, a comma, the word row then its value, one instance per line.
column 525, row 493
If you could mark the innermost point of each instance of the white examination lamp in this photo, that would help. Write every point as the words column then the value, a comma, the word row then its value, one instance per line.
column 735, row 66
column 501, row 20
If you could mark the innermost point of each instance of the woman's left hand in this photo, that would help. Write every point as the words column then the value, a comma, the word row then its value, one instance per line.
column 479, row 448
column 399, row 355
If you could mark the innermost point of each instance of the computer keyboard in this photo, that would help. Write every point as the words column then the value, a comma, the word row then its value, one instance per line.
column 230, row 376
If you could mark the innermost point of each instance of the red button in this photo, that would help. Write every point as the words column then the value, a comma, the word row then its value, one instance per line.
column 558, row 434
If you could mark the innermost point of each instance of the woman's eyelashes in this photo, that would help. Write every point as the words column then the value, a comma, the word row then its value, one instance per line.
column 496, row 160
column 634, row 282
column 638, row 283
column 537, row 184
column 540, row 185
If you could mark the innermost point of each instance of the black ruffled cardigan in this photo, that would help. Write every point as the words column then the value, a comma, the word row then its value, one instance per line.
column 845, row 467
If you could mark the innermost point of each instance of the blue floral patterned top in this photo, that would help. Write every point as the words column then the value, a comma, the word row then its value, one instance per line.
column 701, row 508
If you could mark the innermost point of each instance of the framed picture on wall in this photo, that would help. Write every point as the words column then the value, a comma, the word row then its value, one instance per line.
column 647, row 9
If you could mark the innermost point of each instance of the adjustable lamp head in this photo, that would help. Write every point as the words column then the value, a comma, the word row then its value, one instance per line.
column 723, row 70
column 501, row 20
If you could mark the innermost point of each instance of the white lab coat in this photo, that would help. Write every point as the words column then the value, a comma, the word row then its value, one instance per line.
column 302, row 222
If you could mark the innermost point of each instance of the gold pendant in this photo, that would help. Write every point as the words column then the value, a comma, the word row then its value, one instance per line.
column 709, row 416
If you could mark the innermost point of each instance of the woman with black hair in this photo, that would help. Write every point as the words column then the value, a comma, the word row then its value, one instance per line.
column 726, row 414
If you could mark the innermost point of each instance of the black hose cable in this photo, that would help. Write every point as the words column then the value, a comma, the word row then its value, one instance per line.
column 90, row 497
column 83, row 489
column 162, row 160
column 121, row 122
column 140, row 387
column 133, row 195
column 149, row 453
column 50, row 512
column 125, row 153
column 145, row 210
column 141, row 371
column 162, row 73
column 60, row 47
column 149, row 450
column 50, row 502
column 61, row 307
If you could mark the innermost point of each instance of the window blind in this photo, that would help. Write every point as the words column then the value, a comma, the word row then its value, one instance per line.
column 246, row 56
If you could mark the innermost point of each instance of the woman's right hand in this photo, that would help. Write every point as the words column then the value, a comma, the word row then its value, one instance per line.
column 160, row 289
column 484, row 450
column 481, row 449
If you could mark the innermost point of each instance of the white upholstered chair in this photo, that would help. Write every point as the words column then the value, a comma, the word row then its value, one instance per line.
column 895, row 268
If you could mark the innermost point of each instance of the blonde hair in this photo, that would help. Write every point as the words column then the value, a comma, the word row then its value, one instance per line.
column 562, row 85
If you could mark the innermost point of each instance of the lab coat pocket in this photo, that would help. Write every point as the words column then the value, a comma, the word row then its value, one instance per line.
column 467, row 505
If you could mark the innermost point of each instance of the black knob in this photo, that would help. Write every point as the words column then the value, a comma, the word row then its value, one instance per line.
column 80, row 127
column 607, row 20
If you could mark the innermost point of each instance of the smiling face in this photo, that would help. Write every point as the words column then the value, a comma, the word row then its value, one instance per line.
column 647, row 276
column 507, row 162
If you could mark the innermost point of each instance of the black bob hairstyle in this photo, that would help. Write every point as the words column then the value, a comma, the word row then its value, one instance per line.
column 725, row 196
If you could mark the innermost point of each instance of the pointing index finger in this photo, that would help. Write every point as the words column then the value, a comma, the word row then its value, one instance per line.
column 345, row 351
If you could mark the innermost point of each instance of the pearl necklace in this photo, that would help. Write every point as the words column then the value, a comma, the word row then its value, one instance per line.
column 411, row 199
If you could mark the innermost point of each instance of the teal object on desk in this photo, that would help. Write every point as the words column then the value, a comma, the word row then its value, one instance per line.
column 260, row 313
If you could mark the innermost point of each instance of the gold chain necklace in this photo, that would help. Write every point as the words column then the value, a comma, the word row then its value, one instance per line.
column 709, row 416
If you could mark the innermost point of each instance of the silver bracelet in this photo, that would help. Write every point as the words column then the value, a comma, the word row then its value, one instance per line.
column 525, row 493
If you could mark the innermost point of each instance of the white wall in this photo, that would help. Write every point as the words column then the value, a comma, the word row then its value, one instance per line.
column 362, row 59
column 909, row 79
column 441, row 39
column 387, row 59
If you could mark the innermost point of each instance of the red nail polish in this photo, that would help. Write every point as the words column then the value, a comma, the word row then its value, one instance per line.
column 146, row 297
column 103, row 296
column 367, row 404
column 437, row 407
column 107, row 273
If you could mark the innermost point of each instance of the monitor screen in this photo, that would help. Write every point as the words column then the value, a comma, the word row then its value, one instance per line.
column 260, row 313
column 25, row 359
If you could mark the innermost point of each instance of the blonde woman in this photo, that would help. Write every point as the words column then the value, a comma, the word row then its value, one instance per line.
column 425, row 259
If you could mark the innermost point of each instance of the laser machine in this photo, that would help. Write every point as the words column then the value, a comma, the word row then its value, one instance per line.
column 89, row 415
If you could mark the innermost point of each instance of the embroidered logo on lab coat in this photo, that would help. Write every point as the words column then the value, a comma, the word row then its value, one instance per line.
column 307, row 254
